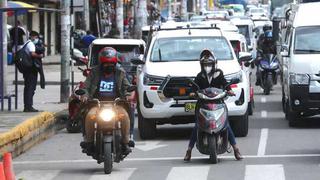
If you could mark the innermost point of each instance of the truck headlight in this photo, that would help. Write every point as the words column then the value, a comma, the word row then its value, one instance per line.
column 237, row 75
column 107, row 114
column 152, row 80
column 301, row 79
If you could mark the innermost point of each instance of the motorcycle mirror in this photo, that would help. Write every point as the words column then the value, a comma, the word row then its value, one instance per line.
column 80, row 92
column 137, row 61
column 132, row 88
column 245, row 56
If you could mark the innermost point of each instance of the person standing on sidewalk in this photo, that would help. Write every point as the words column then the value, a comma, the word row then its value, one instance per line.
column 21, row 38
column 30, row 77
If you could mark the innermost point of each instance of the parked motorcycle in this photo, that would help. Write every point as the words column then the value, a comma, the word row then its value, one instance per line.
column 268, row 70
column 107, row 141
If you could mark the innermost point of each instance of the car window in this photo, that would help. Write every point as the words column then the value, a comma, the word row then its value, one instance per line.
column 244, row 30
column 307, row 40
column 189, row 48
column 126, row 52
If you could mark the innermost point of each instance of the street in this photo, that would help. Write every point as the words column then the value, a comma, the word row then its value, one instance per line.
column 271, row 151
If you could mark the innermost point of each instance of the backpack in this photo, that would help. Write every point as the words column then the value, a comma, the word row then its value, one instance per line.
column 23, row 59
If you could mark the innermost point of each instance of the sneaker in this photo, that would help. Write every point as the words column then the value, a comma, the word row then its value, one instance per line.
column 126, row 150
column 87, row 147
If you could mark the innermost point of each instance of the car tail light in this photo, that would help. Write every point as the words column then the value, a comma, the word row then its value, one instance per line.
column 154, row 88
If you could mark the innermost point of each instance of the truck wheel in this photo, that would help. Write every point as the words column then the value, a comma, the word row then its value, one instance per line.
column 250, row 108
column 107, row 158
column 291, row 116
column 147, row 127
column 240, row 125
column 212, row 149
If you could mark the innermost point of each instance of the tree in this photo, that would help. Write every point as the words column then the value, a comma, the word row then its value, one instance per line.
column 140, row 17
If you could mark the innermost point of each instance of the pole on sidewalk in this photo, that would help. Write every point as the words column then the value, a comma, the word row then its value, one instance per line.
column 3, row 53
column 119, row 12
column 65, row 51
column 141, row 18
column 86, row 14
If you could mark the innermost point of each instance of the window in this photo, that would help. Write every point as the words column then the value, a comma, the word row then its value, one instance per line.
column 307, row 40
column 189, row 48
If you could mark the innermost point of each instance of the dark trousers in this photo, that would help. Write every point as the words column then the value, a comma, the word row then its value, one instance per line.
column 193, row 137
column 30, row 84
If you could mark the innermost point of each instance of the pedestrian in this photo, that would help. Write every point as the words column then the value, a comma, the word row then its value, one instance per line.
column 88, row 38
column 31, row 76
column 21, row 37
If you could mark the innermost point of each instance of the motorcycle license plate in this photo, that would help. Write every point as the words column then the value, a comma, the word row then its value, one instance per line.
column 189, row 107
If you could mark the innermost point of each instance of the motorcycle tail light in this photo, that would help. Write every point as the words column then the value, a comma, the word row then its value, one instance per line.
column 232, row 86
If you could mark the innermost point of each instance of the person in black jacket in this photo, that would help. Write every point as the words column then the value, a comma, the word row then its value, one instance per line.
column 211, row 76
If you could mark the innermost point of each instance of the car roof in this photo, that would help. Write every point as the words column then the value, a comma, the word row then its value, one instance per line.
column 241, row 21
column 106, row 41
column 185, row 33
column 234, row 36
column 307, row 15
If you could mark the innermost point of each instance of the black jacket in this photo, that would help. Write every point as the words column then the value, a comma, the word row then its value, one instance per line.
column 218, row 81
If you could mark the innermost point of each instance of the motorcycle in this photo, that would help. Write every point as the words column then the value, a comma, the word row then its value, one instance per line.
column 107, row 141
column 268, row 70
column 212, row 115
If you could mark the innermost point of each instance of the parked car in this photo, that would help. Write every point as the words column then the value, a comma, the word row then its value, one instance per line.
column 301, row 65
column 175, row 53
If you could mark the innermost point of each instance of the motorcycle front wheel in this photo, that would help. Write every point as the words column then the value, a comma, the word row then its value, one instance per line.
column 107, row 157
column 212, row 149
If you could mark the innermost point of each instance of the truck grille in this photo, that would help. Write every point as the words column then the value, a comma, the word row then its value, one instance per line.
column 177, row 87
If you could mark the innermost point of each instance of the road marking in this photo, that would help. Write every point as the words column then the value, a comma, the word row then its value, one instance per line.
column 264, row 114
column 149, row 145
column 263, row 142
column 189, row 173
column 263, row 99
column 264, row 172
column 116, row 174
column 165, row 159
column 38, row 175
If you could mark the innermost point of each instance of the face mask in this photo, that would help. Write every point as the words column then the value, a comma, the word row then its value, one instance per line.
column 35, row 41
column 208, row 69
column 108, row 69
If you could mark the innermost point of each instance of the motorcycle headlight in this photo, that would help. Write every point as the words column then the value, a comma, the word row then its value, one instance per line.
column 152, row 80
column 300, row 79
column 209, row 114
column 265, row 66
column 237, row 75
column 107, row 115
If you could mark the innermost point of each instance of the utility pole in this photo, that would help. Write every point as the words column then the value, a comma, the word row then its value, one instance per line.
column 4, row 46
column 65, row 51
column 141, row 17
column 184, row 14
column 120, row 17
column 86, row 14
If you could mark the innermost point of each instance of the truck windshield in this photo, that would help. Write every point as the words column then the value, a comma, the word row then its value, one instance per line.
column 189, row 48
column 307, row 40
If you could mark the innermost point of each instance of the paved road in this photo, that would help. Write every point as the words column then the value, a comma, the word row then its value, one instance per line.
column 272, row 151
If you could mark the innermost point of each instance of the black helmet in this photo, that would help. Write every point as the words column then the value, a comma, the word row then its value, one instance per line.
column 267, row 27
column 207, row 58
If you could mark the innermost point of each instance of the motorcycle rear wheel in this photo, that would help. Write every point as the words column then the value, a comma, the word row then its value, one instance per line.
column 212, row 149
column 107, row 158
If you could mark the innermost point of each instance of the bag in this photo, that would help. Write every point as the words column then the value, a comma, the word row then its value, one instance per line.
column 23, row 60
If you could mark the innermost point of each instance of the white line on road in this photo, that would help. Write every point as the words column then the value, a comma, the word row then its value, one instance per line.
column 264, row 172
column 264, row 114
column 38, row 175
column 263, row 142
column 165, row 159
column 189, row 173
column 117, row 174
column 263, row 99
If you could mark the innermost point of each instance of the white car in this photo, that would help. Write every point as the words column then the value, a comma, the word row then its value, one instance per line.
column 175, row 53
column 257, row 12
column 245, row 26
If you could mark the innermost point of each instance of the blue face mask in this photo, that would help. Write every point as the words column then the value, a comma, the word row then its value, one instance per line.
column 35, row 41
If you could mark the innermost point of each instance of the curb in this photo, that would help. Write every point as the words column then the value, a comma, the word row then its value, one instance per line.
column 31, row 132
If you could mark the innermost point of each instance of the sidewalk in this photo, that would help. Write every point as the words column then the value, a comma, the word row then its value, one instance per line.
column 44, row 99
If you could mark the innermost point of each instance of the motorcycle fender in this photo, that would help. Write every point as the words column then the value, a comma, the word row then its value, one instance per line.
column 107, row 138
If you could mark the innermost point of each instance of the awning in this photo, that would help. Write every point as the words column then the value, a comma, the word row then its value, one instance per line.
column 18, row 4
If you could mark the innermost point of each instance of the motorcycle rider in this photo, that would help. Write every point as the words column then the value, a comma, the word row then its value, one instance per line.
column 265, row 45
column 106, row 82
column 211, row 76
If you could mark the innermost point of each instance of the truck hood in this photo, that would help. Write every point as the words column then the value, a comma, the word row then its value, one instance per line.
column 305, row 63
column 187, row 68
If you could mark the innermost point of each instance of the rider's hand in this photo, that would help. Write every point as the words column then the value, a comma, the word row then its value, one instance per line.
column 231, row 93
column 192, row 94
column 83, row 98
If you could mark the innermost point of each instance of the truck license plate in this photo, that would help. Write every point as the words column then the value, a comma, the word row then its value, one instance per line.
column 190, row 107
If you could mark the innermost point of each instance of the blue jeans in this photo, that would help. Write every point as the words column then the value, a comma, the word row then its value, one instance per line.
column 193, row 137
